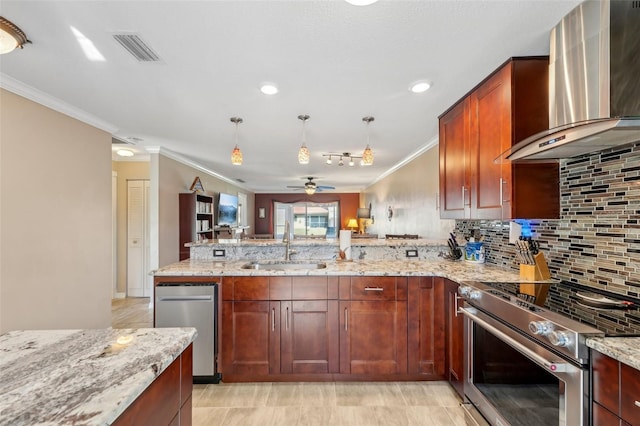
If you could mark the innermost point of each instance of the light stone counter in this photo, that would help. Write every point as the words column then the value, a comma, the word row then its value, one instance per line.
column 316, row 248
column 456, row 271
column 81, row 377
column 623, row 349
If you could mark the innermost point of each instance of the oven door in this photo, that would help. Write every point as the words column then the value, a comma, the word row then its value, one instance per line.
column 513, row 380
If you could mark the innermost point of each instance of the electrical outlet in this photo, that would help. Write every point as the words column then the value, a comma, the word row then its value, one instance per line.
column 218, row 253
column 412, row 253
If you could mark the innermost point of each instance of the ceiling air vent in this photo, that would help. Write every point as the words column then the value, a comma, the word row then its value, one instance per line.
column 137, row 47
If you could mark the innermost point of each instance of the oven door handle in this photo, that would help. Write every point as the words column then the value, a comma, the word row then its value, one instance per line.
column 554, row 367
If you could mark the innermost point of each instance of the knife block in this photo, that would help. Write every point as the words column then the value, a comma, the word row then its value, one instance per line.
column 537, row 272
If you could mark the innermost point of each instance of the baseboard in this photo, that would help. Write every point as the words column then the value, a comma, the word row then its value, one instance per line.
column 120, row 295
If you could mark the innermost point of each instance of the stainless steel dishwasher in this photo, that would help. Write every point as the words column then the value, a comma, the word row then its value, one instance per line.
column 193, row 305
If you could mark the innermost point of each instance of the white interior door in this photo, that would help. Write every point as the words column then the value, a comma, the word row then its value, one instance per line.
column 138, row 280
column 242, row 209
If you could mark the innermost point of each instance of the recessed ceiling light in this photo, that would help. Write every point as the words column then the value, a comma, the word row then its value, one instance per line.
column 124, row 153
column 420, row 86
column 269, row 88
column 361, row 2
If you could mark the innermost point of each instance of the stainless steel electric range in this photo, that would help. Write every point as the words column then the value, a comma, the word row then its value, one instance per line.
column 527, row 362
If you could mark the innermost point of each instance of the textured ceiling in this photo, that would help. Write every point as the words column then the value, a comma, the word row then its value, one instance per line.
column 331, row 60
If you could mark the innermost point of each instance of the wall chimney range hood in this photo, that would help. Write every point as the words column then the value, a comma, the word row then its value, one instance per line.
column 594, row 83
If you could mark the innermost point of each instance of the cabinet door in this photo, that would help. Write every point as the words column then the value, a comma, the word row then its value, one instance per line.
column 454, row 187
column 606, row 381
column 373, row 337
column 604, row 417
column 630, row 398
column 426, row 326
column 490, row 107
column 309, row 336
column 454, row 337
column 250, row 337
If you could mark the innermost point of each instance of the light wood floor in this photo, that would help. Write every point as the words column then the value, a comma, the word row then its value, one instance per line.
column 308, row 404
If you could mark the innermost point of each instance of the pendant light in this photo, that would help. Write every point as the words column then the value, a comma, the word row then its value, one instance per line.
column 367, row 155
column 236, row 154
column 303, row 153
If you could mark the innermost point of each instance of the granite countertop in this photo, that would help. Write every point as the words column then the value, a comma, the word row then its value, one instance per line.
column 81, row 377
column 457, row 271
column 355, row 242
column 623, row 349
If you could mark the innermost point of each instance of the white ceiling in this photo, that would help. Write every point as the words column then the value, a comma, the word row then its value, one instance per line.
column 331, row 60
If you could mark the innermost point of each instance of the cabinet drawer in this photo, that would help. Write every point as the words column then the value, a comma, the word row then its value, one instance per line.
column 630, row 397
column 373, row 288
column 246, row 288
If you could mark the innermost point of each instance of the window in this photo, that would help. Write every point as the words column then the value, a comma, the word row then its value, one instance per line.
column 308, row 219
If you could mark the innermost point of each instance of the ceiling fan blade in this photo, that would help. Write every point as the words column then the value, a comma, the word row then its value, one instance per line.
column 295, row 186
column 321, row 187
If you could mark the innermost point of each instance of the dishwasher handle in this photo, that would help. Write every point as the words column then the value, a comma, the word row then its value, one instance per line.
column 183, row 298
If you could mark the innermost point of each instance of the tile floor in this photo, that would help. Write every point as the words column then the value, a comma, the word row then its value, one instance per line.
column 334, row 404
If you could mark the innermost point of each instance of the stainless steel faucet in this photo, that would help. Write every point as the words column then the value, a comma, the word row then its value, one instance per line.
column 287, row 240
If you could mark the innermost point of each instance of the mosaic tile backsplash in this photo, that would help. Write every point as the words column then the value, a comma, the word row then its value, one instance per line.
column 596, row 241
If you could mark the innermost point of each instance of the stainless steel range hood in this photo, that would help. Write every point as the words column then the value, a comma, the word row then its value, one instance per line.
column 594, row 83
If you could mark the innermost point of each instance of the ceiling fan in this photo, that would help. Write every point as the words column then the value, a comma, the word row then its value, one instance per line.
column 310, row 187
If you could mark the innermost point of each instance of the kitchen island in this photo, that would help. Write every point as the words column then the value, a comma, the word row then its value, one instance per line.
column 94, row 377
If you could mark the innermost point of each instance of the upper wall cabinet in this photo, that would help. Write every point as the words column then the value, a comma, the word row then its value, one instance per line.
column 508, row 106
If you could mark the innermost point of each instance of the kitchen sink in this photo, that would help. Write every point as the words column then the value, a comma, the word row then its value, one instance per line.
column 280, row 265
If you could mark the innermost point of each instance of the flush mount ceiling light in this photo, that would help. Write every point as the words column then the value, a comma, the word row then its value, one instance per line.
column 303, row 153
column 124, row 153
column 367, row 155
column 361, row 2
column 341, row 157
column 420, row 86
column 11, row 36
column 269, row 88
column 236, row 154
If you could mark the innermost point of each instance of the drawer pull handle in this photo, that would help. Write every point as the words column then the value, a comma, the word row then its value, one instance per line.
column 373, row 289
column 636, row 403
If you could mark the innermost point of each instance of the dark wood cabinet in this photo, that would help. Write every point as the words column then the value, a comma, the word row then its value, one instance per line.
column 616, row 392
column 309, row 336
column 278, row 325
column 426, row 326
column 282, row 328
column 508, row 106
column 454, row 346
column 373, row 327
column 195, row 220
column 167, row 400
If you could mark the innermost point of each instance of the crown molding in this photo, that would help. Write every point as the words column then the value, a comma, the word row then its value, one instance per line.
column 187, row 162
column 35, row 95
column 421, row 150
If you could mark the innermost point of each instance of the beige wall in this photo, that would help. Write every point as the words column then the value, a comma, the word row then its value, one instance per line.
column 175, row 177
column 126, row 170
column 411, row 191
column 55, row 219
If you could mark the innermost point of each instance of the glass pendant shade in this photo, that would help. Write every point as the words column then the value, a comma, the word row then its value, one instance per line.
column 303, row 152
column 310, row 190
column 236, row 154
column 367, row 156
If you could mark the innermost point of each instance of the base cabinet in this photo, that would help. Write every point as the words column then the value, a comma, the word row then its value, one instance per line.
column 426, row 326
column 454, row 347
column 332, row 328
column 167, row 401
column 616, row 392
